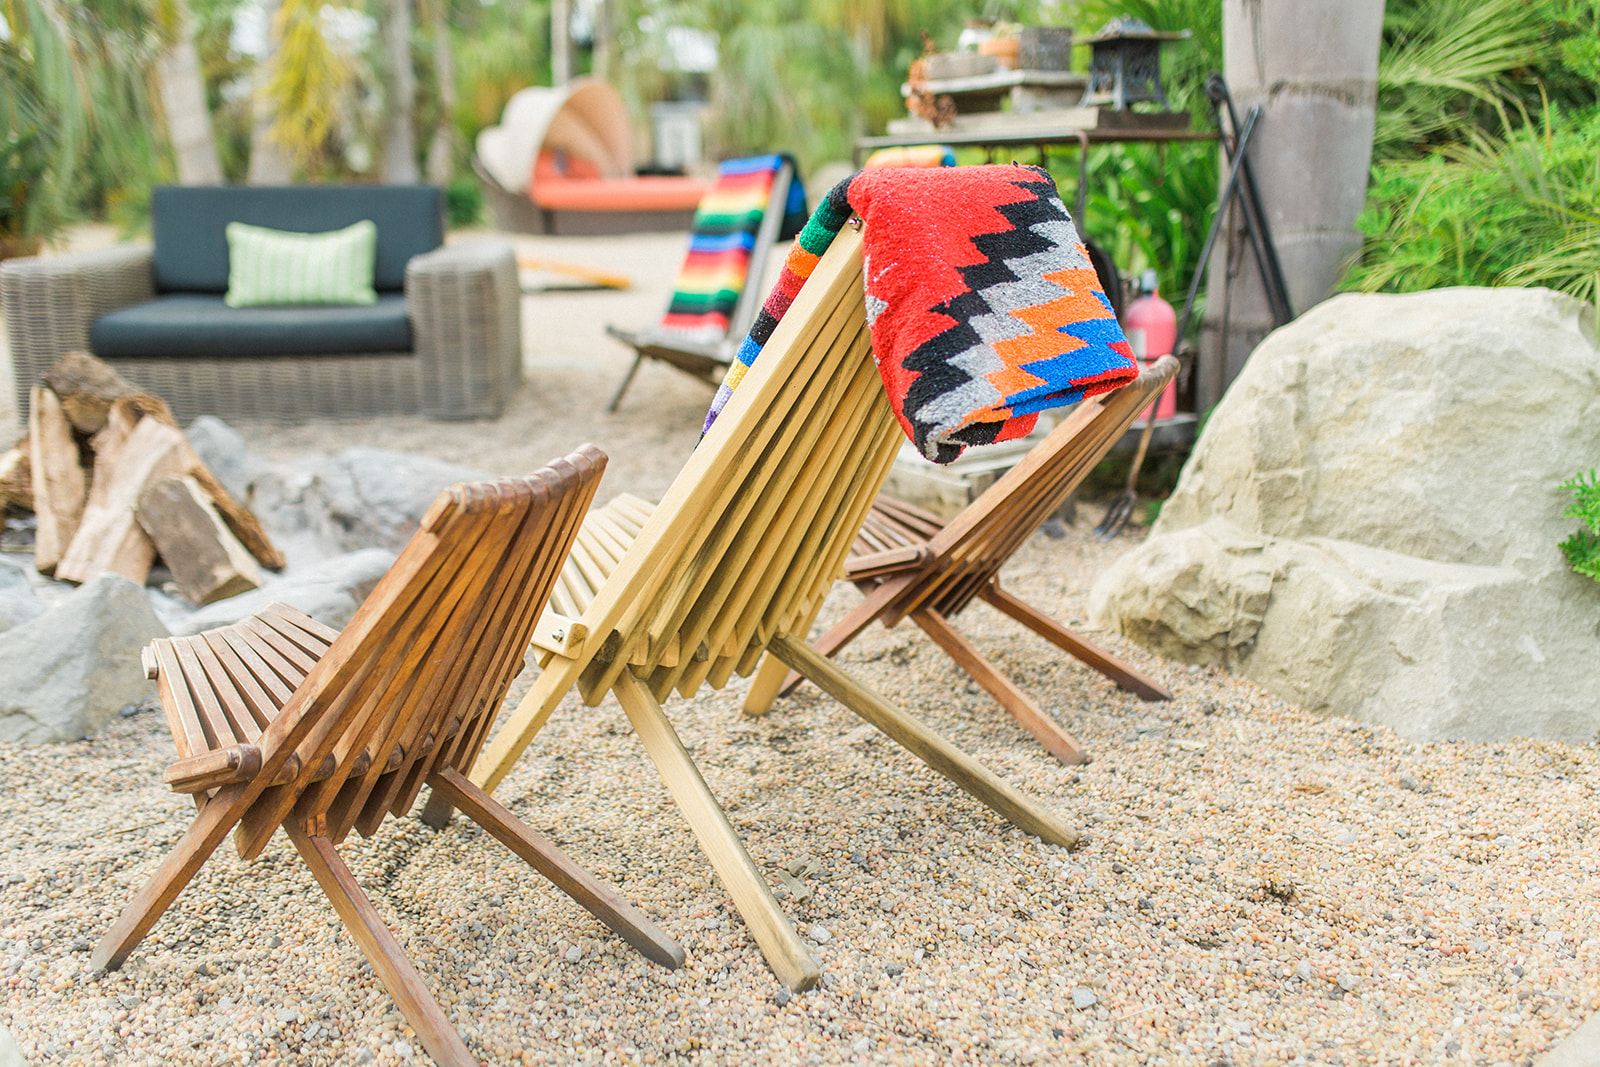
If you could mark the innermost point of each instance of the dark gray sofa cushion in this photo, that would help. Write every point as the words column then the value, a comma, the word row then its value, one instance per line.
column 200, row 324
column 188, row 224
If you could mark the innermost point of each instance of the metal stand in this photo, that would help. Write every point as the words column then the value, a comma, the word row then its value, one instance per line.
column 1241, row 184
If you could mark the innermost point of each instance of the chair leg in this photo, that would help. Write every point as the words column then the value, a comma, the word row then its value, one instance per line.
column 500, row 754
column 776, row 936
column 772, row 676
column 388, row 959
column 1022, row 811
column 1141, row 685
column 543, row 856
column 208, row 830
column 627, row 379
column 1062, row 745
column 843, row 632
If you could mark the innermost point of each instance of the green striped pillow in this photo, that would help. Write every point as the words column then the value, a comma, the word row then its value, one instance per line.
column 274, row 267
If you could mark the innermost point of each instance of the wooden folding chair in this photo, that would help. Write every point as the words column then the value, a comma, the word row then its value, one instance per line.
column 734, row 562
column 281, row 721
column 910, row 562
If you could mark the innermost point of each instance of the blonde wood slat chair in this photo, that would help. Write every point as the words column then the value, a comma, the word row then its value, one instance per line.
column 280, row 721
column 909, row 562
column 735, row 562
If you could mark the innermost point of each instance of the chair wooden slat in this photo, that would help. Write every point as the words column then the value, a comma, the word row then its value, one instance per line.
column 411, row 682
column 183, row 715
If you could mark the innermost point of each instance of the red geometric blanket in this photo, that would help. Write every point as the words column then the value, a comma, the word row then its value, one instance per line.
column 983, row 305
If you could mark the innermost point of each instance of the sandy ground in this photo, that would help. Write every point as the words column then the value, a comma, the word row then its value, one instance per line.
column 1257, row 886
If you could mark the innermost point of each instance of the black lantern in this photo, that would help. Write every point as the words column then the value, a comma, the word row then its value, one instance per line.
column 1125, row 64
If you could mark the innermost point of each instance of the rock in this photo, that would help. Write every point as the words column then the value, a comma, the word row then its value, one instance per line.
column 360, row 498
column 1083, row 997
column 1368, row 525
column 10, row 1055
column 225, row 454
column 820, row 934
column 66, row 672
column 1302, row 970
column 329, row 592
column 18, row 602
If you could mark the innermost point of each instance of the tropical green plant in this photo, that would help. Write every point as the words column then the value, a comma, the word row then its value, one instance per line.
column 27, row 213
column 1522, row 209
column 463, row 202
column 1485, row 154
column 1446, row 67
column 79, row 71
column 499, row 47
column 1582, row 549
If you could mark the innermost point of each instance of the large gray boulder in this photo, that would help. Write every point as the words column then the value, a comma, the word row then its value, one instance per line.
column 65, row 673
column 329, row 592
column 224, row 452
column 1369, row 524
column 18, row 602
column 325, row 506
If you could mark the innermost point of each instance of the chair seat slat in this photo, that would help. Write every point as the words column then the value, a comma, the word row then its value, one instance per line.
column 183, row 716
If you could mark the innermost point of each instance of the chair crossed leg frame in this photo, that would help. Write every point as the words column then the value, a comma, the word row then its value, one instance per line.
column 378, row 944
column 773, row 681
column 771, row 929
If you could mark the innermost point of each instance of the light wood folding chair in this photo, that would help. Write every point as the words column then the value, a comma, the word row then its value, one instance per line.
column 281, row 721
column 909, row 562
column 734, row 562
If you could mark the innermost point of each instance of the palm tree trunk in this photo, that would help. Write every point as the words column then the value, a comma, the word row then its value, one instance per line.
column 400, row 81
column 1313, row 69
column 183, row 98
column 270, row 163
column 441, row 148
column 605, row 42
column 560, row 42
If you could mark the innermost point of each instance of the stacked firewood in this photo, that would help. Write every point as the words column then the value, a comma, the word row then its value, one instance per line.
column 115, row 486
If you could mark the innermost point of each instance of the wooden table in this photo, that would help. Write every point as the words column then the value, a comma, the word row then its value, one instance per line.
column 1076, row 127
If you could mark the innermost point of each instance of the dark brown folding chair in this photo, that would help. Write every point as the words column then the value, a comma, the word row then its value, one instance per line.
column 281, row 721
column 912, row 563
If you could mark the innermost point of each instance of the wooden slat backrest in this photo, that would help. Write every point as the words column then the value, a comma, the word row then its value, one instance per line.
column 755, row 528
column 968, row 552
column 410, row 684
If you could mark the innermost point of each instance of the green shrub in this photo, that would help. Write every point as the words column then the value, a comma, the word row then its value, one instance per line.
column 1582, row 549
column 1523, row 210
column 463, row 202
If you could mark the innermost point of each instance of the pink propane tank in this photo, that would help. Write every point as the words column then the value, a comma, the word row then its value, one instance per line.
column 1152, row 329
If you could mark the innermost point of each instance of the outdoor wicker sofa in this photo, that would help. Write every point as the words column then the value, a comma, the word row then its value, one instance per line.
column 444, row 338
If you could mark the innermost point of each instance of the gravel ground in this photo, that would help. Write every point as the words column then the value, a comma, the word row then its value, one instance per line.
column 1257, row 886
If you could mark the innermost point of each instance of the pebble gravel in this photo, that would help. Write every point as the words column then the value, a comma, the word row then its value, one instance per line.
column 1256, row 885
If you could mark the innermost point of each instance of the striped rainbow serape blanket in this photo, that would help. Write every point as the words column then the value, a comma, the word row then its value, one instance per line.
column 714, row 271
column 983, row 305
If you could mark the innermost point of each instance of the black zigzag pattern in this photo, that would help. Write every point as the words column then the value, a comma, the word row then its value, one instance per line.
column 936, row 374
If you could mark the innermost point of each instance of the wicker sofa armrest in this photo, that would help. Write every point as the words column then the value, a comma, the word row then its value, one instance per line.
column 465, row 305
column 50, row 301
